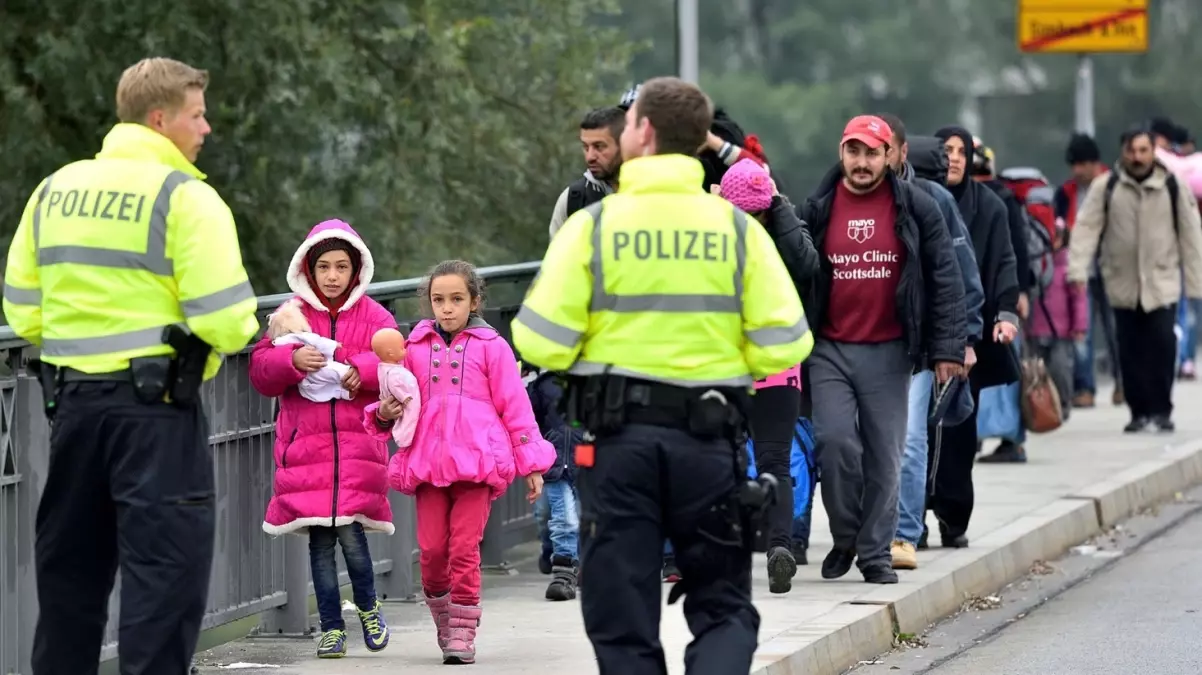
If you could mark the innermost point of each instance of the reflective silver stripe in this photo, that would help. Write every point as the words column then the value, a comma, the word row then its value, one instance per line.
column 602, row 301
column 22, row 296
column 779, row 335
column 595, row 301
column 104, row 344
column 544, row 327
column 740, row 255
column 656, row 302
column 213, row 302
column 104, row 257
column 154, row 260
column 37, row 210
column 583, row 367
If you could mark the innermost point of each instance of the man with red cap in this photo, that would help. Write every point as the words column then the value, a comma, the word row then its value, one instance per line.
column 889, row 300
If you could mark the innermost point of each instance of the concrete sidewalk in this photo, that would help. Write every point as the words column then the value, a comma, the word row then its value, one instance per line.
column 1079, row 479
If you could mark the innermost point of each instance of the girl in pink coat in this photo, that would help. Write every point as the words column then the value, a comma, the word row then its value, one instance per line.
column 330, row 474
column 476, row 432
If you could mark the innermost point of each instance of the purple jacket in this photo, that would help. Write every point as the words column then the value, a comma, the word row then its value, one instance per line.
column 1063, row 310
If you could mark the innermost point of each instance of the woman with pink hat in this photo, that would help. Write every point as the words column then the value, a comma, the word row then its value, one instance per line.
column 777, row 402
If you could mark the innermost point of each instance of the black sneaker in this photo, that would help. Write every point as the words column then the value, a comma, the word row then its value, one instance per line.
column 958, row 541
column 1164, row 424
column 879, row 574
column 837, row 563
column 781, row 568
column 563, row 579
column 922, row 541
column 1137, row 425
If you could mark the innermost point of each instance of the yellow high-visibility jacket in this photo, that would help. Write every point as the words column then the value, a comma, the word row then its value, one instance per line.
column 663, row 282
column 111, row 250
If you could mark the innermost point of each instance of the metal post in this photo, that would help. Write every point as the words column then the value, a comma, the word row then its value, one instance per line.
column 292, row 618
column 687, row 41
column 1084, row 100
column 397, row 585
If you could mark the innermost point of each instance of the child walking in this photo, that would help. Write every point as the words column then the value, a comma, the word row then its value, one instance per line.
column 331, row 476
column 476, row 432
column 559, row 492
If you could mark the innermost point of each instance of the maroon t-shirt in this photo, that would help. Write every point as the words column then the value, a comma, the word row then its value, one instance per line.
column 867, row 257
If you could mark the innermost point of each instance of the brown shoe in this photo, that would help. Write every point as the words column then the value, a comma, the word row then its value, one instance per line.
column 1117, row 397
column 1083, row 400
column 904, row 556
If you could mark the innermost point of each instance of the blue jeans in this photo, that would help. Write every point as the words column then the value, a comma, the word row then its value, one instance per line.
column 912, row 493
column 563, row 521
column 1188, row 313
column 325, row 572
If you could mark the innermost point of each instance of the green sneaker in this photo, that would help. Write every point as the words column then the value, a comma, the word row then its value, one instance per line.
column 375, row 629
column 332, row 645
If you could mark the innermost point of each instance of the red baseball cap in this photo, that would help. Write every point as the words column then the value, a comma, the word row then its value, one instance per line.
column 869, row 130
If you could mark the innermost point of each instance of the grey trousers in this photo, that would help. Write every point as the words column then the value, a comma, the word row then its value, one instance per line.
column 861, row 401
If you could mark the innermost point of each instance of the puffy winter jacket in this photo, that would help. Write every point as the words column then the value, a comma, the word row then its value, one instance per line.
column 476, row 423
column 329, row 470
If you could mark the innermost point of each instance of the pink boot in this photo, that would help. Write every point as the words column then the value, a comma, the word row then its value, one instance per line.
column 440, row 612
column 461, row 645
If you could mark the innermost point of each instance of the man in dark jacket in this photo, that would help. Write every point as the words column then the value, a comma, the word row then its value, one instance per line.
column 985, row 173
column 989, row 226
column 928, row 170
column 888, row 299
column 599, row 133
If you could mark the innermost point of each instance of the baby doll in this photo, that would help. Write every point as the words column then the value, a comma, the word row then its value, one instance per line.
column 287, row 326
column 398, row 382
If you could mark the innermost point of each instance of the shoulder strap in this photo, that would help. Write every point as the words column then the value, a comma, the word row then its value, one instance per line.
column 576, row 198
column 1112, row 181
column 1174, row 195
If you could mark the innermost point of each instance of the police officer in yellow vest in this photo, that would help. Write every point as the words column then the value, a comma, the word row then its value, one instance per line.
column 125, row 270
column 664, row 303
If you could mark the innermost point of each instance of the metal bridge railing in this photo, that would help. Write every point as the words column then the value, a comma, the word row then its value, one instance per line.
column 253, row 573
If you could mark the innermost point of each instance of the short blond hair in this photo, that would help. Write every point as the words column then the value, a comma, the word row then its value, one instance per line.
column 156, row 84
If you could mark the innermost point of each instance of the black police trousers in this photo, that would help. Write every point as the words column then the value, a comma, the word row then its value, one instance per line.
column 648, row 483
column 774, row 413
column 129, row 483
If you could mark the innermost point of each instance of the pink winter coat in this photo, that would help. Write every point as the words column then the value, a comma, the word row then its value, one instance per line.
column 1064, row 303
column 1187, row 167
column 476, row 423
column 329, row 471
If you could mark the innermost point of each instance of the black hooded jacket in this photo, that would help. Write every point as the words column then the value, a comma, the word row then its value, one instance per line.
column 930, row 294
column 1018, row 232
column 793, row 242
column 988, row 223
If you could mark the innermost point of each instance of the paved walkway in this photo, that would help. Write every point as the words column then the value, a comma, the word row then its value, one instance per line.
column 523, row 633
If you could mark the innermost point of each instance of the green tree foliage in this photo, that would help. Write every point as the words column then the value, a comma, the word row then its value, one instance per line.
column 438, row 128
column 793, row 72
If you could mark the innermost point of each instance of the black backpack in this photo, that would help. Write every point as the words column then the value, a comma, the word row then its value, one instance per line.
column 581, row 193
column 1170, row 183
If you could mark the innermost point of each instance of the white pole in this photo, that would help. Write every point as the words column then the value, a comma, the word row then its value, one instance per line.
column 1084, row 100
column 687, row 39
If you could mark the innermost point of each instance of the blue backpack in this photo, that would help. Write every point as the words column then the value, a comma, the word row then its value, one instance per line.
column 803, row 468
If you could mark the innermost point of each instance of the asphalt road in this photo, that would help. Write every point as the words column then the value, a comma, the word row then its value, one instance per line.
column 1143, row 615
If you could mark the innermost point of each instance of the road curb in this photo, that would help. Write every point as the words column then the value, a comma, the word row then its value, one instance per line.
column 863, row 629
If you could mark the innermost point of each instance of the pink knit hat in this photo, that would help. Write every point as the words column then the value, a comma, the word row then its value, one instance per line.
column 747, row 186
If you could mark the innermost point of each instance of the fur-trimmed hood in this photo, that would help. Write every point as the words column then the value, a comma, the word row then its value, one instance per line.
column 298, row 280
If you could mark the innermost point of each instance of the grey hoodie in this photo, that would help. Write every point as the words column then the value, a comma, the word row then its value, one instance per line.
column 560, row 213
column 974, row 293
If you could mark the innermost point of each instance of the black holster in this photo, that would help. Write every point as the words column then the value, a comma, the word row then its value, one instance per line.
column 48, row 378
column 188, row 367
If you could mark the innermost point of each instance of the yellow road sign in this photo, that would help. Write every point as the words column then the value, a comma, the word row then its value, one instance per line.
column 1079, row 5
column 1082, row 30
